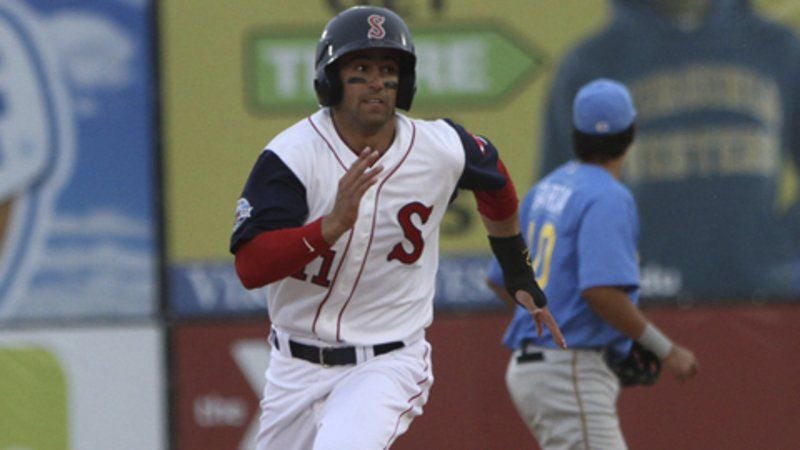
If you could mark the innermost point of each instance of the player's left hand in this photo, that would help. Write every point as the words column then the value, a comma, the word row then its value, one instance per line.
column 682, row 362
column 542, row 317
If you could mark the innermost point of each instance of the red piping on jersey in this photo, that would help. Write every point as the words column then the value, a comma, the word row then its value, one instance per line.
column 500, row 204
column 335, row 155
column 313, row 125
column 346, row 247
column 372, row 231
column 411, row 399
column 333, row 283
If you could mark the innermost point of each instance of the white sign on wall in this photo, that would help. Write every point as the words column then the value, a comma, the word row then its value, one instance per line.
column 83, row 388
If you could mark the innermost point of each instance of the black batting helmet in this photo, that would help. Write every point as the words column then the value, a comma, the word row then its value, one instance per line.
column 359, row 28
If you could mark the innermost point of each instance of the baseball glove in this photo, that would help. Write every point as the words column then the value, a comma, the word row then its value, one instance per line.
column 640, row 367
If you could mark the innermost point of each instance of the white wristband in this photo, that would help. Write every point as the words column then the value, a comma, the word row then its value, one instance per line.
column 655, row 341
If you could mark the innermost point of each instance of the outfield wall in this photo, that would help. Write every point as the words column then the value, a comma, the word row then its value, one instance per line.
column 127, row 128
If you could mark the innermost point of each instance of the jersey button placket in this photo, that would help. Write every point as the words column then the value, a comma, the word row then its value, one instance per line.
column 363, row 227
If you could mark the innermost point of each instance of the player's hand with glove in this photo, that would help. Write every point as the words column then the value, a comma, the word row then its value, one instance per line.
column 643, row 367
column 677, row 359
column 514, row 258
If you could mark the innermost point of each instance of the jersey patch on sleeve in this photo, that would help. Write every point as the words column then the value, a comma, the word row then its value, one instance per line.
column 480, row 141
column 243, row 211
column 273, row 198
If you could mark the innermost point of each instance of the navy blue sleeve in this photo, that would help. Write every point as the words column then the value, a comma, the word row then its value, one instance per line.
column 480, row 169
column 273, row 198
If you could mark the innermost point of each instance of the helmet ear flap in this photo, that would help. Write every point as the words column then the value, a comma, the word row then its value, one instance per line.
column 322, row 85
column 408, row 87
column 323, row 89
column 328, row 86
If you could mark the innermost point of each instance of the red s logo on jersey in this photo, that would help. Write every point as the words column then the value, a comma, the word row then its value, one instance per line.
column 376, row 30
column 411, row 232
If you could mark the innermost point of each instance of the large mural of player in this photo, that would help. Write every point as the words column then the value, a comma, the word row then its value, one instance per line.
column 77, row 237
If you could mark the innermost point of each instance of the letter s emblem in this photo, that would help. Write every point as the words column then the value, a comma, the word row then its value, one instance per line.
column 411, row 232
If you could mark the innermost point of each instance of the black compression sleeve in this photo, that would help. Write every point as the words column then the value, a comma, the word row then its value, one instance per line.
column 515, row 260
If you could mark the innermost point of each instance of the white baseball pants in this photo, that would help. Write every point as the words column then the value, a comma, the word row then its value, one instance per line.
column 567, row 399
column 365, row 406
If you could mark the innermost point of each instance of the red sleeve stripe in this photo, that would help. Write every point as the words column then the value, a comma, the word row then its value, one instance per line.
column 274, row 255
column 500, row 204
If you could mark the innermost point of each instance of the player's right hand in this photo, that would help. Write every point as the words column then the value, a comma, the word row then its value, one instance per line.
column 542, row 317
column 352, row 186
column 681, row 362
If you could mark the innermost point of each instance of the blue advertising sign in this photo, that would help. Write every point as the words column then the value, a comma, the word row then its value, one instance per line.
column 77, row 235
column 207, row 288
column 212, row 289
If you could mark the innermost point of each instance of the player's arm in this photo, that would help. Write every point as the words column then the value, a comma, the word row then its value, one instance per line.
column 608, row 272
column 501, row 293
column 270, row 240
column 273, row 255
column 494, row 274
column 615, row 307
column 486, row 176
column 513, row 257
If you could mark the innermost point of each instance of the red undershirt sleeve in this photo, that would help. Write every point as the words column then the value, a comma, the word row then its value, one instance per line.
column 274, row 255
column 500, row 204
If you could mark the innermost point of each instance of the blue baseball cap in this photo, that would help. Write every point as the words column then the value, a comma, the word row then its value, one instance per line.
column 602, row 107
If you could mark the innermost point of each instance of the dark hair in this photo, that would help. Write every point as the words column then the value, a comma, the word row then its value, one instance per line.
column 601, row 148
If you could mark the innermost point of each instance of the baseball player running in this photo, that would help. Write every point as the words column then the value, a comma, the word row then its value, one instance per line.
column 583, row 228
column 340, row 218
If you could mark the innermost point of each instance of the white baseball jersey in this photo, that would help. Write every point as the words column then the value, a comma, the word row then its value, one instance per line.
column 376, row 283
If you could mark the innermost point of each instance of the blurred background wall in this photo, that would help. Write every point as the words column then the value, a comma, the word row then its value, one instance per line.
column 127, row 129
column 82, row 359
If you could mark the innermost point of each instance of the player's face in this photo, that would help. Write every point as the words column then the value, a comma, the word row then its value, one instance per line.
column 370, row 81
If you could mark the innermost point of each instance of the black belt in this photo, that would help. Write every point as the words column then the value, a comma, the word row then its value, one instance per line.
column 334, row 356
column 526, row 356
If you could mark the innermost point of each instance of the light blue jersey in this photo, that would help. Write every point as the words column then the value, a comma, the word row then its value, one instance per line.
column 582, row 228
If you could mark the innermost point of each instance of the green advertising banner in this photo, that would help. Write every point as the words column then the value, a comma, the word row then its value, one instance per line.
column 459, row 66
column 236, row 73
